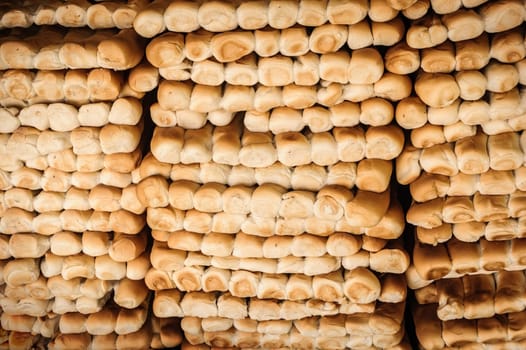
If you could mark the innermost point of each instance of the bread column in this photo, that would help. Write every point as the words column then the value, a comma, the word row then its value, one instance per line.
column 466, row 235
column 76, row 243
column 268, row 184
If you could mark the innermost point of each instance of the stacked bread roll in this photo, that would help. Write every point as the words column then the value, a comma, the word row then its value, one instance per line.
column 464, row 166
column 268, row 186
column 74, row 239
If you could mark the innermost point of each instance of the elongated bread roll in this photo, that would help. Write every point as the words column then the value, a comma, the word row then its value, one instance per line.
column 504, row 151
column 242, row 72
column 426, row 32
column 367, row 57
column 149, row 22
column 361, row 286
column 472, row 54
column 293, row 41
column 502, row 15
column 463, row 24
column 438, row 59
column 231, row 46
column 328, row 38
column 478, row 292
column 506, row 47
column 472, row 155
column 384, row 142
column 252, row 15
column 181, row 16
column 401, row 59
column 387, row 33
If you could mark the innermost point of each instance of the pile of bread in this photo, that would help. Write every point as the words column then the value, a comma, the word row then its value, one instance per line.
column 231, row 174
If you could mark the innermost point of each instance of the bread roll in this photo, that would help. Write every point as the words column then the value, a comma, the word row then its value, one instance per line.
column 327, row 38
column 108, row 269
column 508, row 291
column 426, row 32
column 293, row 41
column 478, row 296
column 465, row 257
column 275, row 71
column 387, row 33
column 158, row 280
column 305, row 69
column 506, row 47
column 493, row 15
column 253, row 15
column 438, row 59
column 472, row 54
column 102, row 322
column 504, row 152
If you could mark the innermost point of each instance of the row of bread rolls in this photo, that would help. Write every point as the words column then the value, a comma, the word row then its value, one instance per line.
column 234, row 145
column 15, row 220
column 491, row 182
column 241, row 245
column 225, row 16
column 166, row 260
column 309, row 177
column 21, row 340
column 82, row 306
column 72, row 269
column 61, row 117
column 383, row 221
column 233, row 338
column 337, row 325
column 474, row 54
column 463, row 209
column 456, row 258
column 106, row 14
column 49, row 48
column 110, row 319
column 169, row 219
column 300, row 342
column 121, row 247
column 432, row 29
column 475, row 296
column 55, row 180
column 56, row 286
column 174, row 303
column 100, row 198
column 359, row 286
column 223, row 100
column 27, row 143
column 495, row 230
column 471, row 156
column 330, row 203
column 202, row 57
column 298, row 42
column 374, row 111
column 21, row 87
column 486, row 333
column 140, row 339
column 501, row 112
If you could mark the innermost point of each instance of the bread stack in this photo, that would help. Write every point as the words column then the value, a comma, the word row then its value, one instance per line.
column 464, row 166
column 74, row 241
column 268, row 184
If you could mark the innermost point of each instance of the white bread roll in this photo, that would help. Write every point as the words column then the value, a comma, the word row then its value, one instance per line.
column 275, row 71
column 426, row 83
column 381, row 11
column 125, row 247
column 242, row 72
column 438, row 59
column 426, row 32
column 282, row 14
column 472, row 155
column 78, row 266
column 108, row 269
column 361, row 286
column 401, row 59
column 217, row 16
column 293, row 41
column 257, row 150
column 252, row 15
column 493, row 15
column 181, row 16
column 214, row 279
column 102, row 322
column 501, row 77
column 231, row 46
column 65, row 243
column 266, row 42
column 506, row 47
column 463, row 24
column 388, row 33
column 508, row 289
column 431, row 262
column 472, row 54
column 28, row 245
column 504, row 151
column 327, row 38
